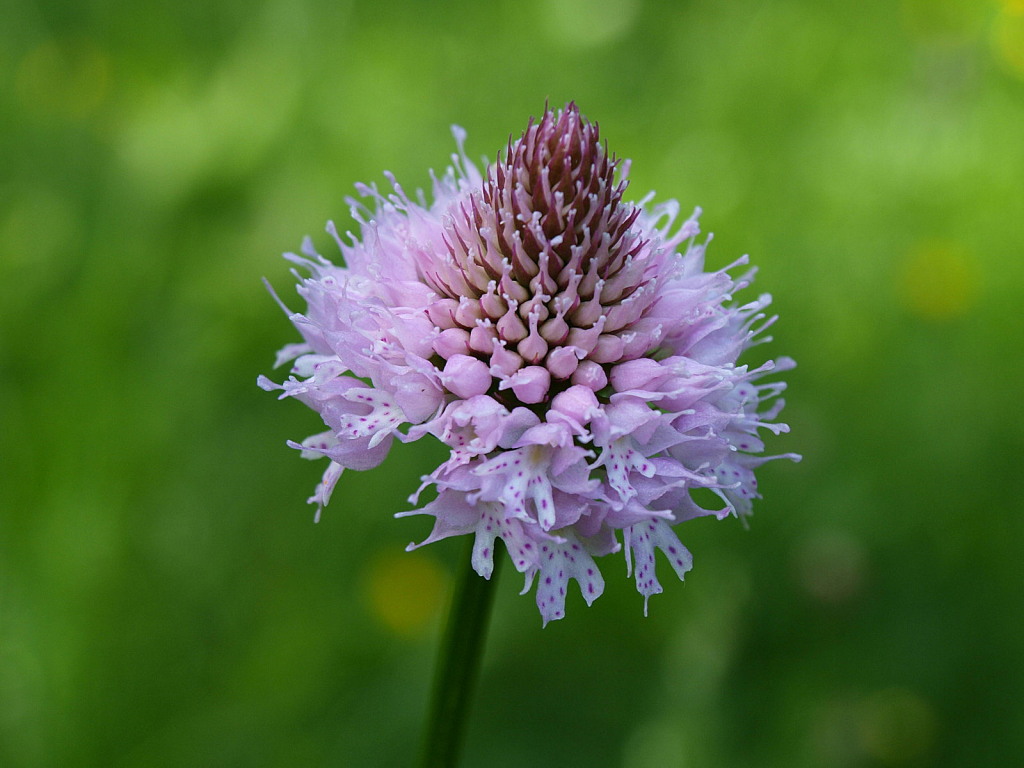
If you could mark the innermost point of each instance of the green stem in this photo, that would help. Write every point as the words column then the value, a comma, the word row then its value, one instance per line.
column 458, row 664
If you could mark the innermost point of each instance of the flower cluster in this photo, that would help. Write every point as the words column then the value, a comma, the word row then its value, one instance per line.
column 565, row 344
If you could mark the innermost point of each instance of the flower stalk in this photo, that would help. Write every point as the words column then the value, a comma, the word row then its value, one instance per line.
column 458, row 665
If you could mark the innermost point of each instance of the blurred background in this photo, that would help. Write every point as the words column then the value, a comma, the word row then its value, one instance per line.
column 165, row 597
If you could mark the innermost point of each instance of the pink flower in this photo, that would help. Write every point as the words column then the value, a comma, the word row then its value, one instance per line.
column 566, row 345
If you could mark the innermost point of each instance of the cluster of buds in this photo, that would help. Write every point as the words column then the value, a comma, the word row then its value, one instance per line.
column 567, row 346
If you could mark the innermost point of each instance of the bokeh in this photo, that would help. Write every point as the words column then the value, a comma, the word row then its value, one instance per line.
column 167, row 600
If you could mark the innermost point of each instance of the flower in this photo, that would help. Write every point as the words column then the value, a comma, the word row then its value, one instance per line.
column 566, row 345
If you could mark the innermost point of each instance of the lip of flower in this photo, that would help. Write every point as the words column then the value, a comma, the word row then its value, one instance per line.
column 576, row 359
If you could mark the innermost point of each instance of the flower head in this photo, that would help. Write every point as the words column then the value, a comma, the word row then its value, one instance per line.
column 568, row 347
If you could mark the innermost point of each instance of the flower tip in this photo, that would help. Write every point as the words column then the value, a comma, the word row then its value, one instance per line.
column 549, row 616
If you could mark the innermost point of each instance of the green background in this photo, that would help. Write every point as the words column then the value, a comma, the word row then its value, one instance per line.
column 165, row 598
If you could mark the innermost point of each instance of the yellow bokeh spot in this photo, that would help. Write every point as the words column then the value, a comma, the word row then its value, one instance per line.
column 1008, row 36
column 67, row 78
column 950, row 21
column 405, row 591
column 938, row 281
column 897, row 726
